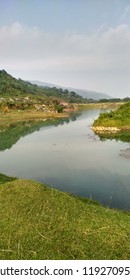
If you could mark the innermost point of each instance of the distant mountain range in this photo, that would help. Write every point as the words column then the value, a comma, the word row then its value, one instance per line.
column 82, row 92
column 10, row 86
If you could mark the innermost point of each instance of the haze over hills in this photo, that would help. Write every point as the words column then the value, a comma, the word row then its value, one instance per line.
column 11, row 86
column 89, row 94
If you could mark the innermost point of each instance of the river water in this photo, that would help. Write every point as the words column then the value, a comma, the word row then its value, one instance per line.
column 70, row 157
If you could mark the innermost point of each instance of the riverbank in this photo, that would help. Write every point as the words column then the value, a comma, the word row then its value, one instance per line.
column 103, row 129
column 100, row 105
column 113, row 121
column 28, row 115
column 38, row 222
column 17, row 116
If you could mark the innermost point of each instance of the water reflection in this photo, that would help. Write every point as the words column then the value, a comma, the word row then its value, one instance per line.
column 11, row 134
column 123, row 136
column 69, row 156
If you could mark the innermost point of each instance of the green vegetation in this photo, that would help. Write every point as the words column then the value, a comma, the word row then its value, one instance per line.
column 12, row 87
column 5, row 179
column 22, row 101
column 119, row 118
column 123, row 136
column 115, row 100
column 38, row 222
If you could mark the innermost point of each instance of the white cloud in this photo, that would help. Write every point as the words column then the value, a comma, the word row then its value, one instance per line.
column 83, row 60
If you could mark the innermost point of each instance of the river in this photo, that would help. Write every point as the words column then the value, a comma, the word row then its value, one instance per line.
column 70, row 157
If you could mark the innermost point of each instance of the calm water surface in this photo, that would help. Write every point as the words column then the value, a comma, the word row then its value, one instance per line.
column 71, row 158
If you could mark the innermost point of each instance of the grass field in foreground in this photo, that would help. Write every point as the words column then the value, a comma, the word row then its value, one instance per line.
column 38, row 222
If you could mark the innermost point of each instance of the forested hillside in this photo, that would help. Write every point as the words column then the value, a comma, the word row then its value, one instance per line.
column 10, row 86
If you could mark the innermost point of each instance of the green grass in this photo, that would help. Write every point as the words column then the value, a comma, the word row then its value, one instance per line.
column 119, row 118
column 5, row 179
column 38, row 222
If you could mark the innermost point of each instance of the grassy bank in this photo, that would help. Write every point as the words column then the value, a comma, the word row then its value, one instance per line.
column 119, row 118
column 18, row 116
column 38, row 222
column 27, row 115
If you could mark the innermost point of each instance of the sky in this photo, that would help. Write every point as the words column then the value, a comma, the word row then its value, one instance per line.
column 73, row 43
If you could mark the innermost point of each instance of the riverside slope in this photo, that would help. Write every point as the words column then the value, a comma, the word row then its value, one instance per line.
column 113, row 121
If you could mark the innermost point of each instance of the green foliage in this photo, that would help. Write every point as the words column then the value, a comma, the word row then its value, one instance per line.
column 4, row 179
column 12, row 87
column 37, row 222
column 119, row 118
column 59, row 108
column 114, row 100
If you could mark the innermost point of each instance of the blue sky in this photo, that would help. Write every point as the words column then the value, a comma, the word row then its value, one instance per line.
column 78, row 43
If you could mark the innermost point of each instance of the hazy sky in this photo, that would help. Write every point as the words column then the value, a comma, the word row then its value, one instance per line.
column 78, row 43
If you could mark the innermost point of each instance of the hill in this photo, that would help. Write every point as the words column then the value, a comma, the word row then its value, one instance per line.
column 82, row 92
column 12, row 87
column 38, row 222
